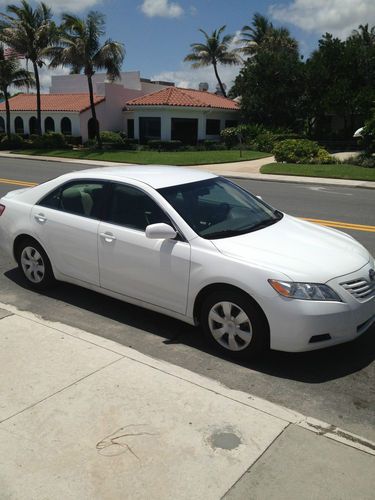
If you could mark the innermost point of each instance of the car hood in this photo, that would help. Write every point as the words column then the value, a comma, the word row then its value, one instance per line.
column 301, row 250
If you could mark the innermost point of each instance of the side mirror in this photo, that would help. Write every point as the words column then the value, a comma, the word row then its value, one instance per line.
column 160, row 232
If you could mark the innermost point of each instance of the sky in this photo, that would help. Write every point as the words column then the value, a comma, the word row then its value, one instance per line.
column 157, row 33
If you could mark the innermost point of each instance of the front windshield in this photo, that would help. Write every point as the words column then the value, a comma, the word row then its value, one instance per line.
column 217, row 208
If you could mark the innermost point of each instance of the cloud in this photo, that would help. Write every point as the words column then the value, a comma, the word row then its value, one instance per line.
column 338, row 17
column 161, row 8
column 59, row 6
column 187, row 77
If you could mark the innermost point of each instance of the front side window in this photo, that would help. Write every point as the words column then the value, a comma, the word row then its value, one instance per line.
column 216, row 208
column 80, row 198
column 132, row 208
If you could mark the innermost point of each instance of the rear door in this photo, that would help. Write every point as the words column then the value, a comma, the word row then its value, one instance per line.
column 66, row 222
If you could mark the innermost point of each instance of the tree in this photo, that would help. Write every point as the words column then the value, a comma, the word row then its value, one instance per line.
column 11, row 75
column 80, row 48
column 29, row 32
column 271, row 81
column 254, row 34
column 216, row 50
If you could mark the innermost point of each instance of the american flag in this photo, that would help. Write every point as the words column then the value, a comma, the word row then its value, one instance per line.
column 10, row 53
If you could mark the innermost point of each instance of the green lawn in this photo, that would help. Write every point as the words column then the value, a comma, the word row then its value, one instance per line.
column 337, row 171
column 154, row 157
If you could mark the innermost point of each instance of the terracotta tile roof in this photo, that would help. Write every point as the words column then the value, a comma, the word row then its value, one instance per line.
column 52, row 102
column 175, row 96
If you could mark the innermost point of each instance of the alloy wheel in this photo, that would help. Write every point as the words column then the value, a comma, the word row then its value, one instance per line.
column 230, row 326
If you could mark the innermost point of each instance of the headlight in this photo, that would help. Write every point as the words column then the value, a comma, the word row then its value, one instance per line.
column 305, row 291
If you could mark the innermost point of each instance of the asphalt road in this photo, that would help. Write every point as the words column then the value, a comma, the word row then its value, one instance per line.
column 336, row 385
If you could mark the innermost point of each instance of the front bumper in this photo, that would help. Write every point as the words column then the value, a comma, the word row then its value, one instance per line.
column 301, row 325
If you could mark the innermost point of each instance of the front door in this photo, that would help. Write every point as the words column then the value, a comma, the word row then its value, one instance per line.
column 153, row 271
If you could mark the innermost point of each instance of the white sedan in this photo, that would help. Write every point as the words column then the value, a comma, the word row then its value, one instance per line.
column 196, row 247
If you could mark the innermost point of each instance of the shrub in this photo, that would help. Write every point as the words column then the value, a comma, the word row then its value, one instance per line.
column 109, row 137
column 74, row 140
column 264, row 142
column 229, row 136
column 367, row 142
column 323, row 158
column 364, row 160
column 164, row 145
column 52, row 140
column 296, row 151
column 15, row 142
column 129, row 144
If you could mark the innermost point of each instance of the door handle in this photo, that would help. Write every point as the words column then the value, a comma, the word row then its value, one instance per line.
column 40, row 218
column 108, row 237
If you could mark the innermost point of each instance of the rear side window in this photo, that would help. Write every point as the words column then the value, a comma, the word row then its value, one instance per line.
column 131, row 207
column 80, row 198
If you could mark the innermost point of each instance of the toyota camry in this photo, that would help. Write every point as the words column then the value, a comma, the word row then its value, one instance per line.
column 197, row 247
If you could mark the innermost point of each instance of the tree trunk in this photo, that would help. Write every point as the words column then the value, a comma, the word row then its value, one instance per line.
column 7, row 107
column 38, row 105
column 218, row 79
column 93, row 112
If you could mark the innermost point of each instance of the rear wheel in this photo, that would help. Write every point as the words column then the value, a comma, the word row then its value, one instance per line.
column 35, row 264
column 234, row 324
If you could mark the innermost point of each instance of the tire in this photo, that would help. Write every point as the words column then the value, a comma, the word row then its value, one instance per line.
column 234, row 324
column 34, row 265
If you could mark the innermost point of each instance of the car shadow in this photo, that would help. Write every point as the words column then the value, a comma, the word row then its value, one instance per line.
column 310, row 367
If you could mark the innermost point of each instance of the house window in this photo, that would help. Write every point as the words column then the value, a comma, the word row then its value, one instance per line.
column 18, row 125
column 149, row 129
column 2, row 125
column 66, row 126
column 49, row 125
column 212, row 127
column 131, row 128
column 33, row 125
column 231, row 123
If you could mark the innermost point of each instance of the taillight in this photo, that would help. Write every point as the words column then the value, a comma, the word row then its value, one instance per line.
column 2, row 208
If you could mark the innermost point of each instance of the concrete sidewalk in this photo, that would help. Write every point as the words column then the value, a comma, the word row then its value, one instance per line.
column 82, row 417
column 248, row 169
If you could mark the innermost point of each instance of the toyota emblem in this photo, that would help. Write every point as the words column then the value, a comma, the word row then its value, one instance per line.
column 371, row 274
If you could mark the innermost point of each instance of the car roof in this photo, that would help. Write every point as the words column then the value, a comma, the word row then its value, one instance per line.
column 156, row 176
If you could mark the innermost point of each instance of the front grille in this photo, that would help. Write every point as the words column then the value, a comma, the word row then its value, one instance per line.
column 360, row 288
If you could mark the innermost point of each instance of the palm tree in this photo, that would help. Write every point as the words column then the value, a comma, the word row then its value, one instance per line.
column 11, row 74
column 215, row 51
column 29, row 32
column 253, row 36
column 80, row 48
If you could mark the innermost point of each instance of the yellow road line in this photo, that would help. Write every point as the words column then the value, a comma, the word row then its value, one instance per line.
column 342, row 225
column 18, row 183
column 329, row 223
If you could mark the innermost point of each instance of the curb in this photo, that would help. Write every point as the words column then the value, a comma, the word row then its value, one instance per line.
column 323, row 181
column 277, row 411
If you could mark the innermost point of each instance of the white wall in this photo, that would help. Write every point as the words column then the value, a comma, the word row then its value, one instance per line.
column 167, row 113
column 55, row 115
column 76, row 84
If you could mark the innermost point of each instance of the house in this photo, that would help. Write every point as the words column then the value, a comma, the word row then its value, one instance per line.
column 179, row 114
column 144, row 109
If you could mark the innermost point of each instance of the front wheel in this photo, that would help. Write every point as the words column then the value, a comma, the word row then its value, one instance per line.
column 234, row 324
column 35, row 265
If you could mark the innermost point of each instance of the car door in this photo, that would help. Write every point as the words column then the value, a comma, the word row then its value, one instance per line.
column 154, row 271
column 66, row 222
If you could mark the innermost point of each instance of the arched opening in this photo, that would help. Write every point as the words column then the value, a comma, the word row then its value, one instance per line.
column 66, row 126
column 18, row 125
column 33, row 125
column 91, row 128
column 49, row 125
column 2, row 125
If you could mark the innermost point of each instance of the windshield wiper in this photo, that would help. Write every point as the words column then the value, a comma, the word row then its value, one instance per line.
column 227, row 233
